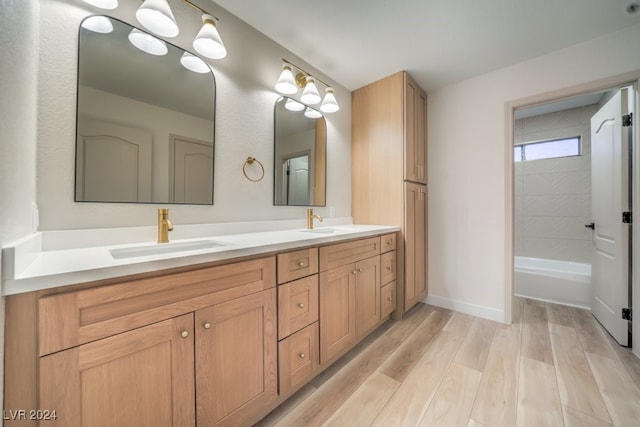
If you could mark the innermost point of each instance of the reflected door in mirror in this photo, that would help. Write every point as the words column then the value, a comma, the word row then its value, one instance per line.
column 191, row 166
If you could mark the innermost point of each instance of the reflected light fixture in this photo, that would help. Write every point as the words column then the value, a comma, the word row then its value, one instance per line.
column 312, row 113
column 157, row 17
column 193, row 63
column 293, row 105
column 103, row 4
column 289, row 81
column 147, row 43
column 98, row 24
column 208, row 41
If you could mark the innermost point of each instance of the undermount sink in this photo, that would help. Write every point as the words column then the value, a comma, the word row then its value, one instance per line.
column 163, row 248
column 323, row 230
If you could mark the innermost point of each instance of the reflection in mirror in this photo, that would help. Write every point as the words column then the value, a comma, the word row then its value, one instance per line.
column 300, row 155
column 145, row 119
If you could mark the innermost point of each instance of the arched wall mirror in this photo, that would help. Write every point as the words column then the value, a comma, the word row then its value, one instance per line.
column 300, row 145
column 145, row 122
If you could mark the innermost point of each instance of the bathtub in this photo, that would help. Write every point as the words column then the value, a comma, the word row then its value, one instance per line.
column 562, row 282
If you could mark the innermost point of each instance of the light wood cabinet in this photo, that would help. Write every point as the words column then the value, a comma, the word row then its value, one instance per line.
column 296, row 264
column 297, row 305
column 236, row 359
column 415, row 244
column 141, row 377
column 349, row 295
column 298, row 358
column 388, row 299
column 389, row 149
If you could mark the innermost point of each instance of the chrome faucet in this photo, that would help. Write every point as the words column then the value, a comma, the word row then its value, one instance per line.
column 164, row 225
column 310, row 216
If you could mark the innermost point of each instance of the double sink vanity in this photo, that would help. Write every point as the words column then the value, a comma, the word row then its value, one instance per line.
column 209, row 331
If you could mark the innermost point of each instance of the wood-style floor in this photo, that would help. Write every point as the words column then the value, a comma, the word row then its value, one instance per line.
column 554, row 366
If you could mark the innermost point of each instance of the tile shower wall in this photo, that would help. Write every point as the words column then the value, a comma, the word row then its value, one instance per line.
column 553, row 196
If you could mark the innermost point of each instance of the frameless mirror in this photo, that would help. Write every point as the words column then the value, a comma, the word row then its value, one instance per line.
column 300, row 155
column 145, row 122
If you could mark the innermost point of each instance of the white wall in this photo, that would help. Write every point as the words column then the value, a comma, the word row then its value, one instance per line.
column 245, row 100
column 553, row 196
column 18, row 121
column 468, row 154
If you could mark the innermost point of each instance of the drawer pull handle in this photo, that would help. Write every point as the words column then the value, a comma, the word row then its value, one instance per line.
column 390, row 299
column 206, row 325
column 301, row 355
column 359, row 270
column 184, row 334
column 390, row 268
column 388, row 242
column 301, row 305
column 301, row 264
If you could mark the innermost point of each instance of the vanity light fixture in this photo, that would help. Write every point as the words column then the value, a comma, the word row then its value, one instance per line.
column 193, row 63
column 208, row 41
column 157, row 17
column 147, row 43
column 98, row 24
column 288, row 83
column 103, row 4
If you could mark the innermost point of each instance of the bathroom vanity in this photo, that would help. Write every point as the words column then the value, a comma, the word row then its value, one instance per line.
column 219, row 342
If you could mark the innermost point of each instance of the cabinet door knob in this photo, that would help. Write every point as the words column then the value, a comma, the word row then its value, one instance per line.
column 390, row 268
column 301, row 355
column 301, row 264
column 389, row 242
column 206, row 325
column 301, row 305
column 359, row 270
column 390, row 299
column 184, row 334
column 354, row 272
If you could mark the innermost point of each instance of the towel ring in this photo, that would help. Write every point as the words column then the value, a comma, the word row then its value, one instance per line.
column 250, row 160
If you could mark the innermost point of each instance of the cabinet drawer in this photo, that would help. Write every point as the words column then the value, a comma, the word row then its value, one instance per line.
column 347, row 253
column 74, row 318
column 297, row 305
column 297, row 264
column 388, row 265
column 388, row 299
column 298, row 358
column 388, row 243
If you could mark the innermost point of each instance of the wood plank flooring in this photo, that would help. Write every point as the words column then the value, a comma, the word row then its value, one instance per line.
column 554, row 366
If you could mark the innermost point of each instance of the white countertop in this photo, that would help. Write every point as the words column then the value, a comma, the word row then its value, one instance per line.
column 27, row 267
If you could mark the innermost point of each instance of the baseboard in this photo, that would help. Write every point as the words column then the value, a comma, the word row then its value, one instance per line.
column 466, row 308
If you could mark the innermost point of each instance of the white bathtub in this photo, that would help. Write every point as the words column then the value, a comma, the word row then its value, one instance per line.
column 562, row 282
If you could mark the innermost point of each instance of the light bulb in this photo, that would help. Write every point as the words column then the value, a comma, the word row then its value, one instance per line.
column 286, row 84
column 329, row 103
column 193, row 63
column 157, row 17
column 147, row 43
column 310, row 94
column 208, row 41
column 293, row 105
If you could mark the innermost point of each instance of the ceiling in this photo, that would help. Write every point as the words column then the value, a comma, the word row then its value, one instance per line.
column 440, row 42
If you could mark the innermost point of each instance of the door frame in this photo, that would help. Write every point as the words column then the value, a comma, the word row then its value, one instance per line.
column 631, row 79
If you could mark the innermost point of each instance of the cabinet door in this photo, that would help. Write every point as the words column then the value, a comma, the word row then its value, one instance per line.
column 298, row 358
column 415, row 136
column 367, row 295
column 337, row 311
column 415, row 244
column 144, row 377
column 388, row 299
column 236, row 359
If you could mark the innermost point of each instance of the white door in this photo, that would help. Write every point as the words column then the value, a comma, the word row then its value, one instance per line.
column 113, row 162
column 610, row 197
column 299, row 181
column 191, row 171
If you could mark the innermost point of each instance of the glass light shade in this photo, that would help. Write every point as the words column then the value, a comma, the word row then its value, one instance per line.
column 103, row 4
column 312, row 114
column 208, row 41
column 329, row 103
column 286, row 84
column 98, row 24
column 157, row 17
column 310, row 94
column 193, row 63
column 147, row 43
column 293, row 105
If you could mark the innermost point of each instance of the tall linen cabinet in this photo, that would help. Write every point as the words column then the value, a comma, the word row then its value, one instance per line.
column 389, row 172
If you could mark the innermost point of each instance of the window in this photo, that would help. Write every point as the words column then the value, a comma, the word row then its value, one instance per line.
column 551, row 149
